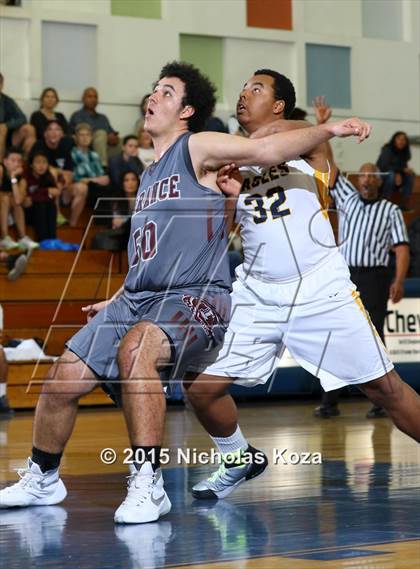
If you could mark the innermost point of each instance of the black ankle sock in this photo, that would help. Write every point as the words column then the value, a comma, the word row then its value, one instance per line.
column 146, row 454
column 46, row 460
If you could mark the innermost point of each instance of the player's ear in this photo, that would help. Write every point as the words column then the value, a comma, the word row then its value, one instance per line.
column 278, row 107
column 187, row 112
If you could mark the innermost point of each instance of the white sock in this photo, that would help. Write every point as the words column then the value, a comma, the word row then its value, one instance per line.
column 3, row 389
column 231, row 444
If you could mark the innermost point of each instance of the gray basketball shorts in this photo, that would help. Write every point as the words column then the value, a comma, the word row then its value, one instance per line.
column 194, row 321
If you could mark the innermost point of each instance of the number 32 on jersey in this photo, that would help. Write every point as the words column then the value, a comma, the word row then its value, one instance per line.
column 145, row 243
column 264, row 209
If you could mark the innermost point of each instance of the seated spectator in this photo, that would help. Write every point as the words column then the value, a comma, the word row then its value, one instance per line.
column 106, row 141
column 14, row 129
column 126, row 161
column 88, row 170
column 12, row 195
column 41, row 191
column 214, row 124
column 46, row 113
column 116, row 239
column 57, row 148
column 143, row 107
column 123, row 207
column 145, row 152
column 298, row 115
column 393, row 160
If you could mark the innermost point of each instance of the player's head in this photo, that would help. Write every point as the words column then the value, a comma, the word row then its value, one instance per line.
column 368, row 181
column 265, row 97
column 182, row 98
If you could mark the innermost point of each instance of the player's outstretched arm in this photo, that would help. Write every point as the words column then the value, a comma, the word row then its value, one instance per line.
column 210, row 150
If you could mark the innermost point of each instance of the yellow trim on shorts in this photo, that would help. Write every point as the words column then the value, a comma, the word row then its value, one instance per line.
column 356, row 296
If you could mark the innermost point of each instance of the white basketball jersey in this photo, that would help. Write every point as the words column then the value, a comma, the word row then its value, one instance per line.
column 282, row 213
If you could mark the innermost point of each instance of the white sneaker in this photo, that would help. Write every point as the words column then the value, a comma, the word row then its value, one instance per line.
column 35, row 488
column 146, row 498
column 28, row 243
column 8, row 243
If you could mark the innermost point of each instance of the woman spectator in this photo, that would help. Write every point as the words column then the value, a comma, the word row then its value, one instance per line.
column 40, row 119
column 116, row 239
column 123, row 206
column 393, row 160
column 41, row 191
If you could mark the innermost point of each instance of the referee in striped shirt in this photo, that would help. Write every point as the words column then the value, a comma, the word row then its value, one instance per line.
column 369, row 227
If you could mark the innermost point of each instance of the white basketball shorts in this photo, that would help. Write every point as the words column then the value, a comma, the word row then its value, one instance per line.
column 319, row 318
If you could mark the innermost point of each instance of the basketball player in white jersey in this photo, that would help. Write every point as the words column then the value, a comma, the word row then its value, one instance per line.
column 293, row 290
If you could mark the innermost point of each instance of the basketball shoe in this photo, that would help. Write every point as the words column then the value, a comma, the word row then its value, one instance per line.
column 236, row 467
column 35, row 488
column 146, row 498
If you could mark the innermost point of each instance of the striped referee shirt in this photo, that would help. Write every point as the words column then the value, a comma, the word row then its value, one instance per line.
column 367, row 231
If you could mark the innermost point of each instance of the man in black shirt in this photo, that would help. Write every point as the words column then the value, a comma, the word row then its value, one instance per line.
column 57, row 148
column 14, row 130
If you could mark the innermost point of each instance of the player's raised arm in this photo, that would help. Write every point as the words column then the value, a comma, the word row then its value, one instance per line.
column 210, row 151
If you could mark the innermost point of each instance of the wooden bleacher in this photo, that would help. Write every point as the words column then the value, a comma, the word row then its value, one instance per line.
column 46, row 303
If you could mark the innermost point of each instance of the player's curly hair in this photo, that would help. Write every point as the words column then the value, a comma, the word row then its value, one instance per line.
column 200, row 92
column 283, row 89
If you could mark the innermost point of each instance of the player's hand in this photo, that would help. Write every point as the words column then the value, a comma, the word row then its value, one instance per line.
column 396, row 291
column 350, row 127
column 229, row 180
column 322, row 110
column 93, row 309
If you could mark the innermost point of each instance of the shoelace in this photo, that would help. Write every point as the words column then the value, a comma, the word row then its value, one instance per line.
column 137, row 484
column 27, row 478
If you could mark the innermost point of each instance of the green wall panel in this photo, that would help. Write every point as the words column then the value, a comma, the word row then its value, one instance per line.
column 136, row 8
column 206, row 53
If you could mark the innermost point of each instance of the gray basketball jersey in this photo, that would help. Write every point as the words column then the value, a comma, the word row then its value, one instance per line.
column 178, row 234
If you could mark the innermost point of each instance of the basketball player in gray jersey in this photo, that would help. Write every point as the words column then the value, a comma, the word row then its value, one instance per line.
column 172, row 310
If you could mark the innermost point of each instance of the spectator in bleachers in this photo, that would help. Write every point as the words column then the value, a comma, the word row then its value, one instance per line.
column 124, row 206
column 143, row 107
column 146, row 152
column 106, row 141
column 393, row 159
column 41, row 192
column 126, row 161
column 214, row 124
column 116, row 238
column 46, row 113
column 298, row 115
column 88, row 170
column 12, row 195
column 14, row 130
column 57, row 148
